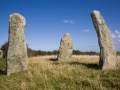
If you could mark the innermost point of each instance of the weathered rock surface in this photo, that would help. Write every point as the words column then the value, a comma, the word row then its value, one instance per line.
column 17, row 50
column 66, row 48
column 108, row 58
column 1, row 53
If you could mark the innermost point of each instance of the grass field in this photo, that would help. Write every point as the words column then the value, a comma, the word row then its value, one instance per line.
column 45, row 73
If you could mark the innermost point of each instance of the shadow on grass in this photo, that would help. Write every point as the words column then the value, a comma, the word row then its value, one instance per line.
column 53, row 59
column 3, row 72
column 88, row 65
column 2, row 66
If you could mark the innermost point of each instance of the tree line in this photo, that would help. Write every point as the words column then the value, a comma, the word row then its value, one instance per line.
column 32, row 53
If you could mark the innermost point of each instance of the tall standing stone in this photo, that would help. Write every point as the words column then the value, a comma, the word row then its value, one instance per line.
column 1, row 53
column 66, row 48
column 17, row 50
column 108, row 58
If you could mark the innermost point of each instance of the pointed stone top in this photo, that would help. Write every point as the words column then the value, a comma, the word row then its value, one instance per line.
column 16, row 17
column 95, row 11
column 67, row 34
column 97, row 17
column 16, row 14
column 66, row 37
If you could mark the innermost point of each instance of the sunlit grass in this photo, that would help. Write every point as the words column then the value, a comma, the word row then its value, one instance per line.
column 45, row 73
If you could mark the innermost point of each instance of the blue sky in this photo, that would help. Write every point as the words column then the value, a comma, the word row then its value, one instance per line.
column 48, row 20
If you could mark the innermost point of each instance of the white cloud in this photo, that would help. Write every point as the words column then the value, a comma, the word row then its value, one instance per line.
column 116, row 31
column 68, row 21
column 116, row 34
column 113, row 35
column 87, row 30
column 117, row 42
column 71, row 21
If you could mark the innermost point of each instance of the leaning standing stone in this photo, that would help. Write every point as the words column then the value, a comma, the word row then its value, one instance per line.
column 108, row 58
column 65, row 49
column 17, row 50
column 1, row 53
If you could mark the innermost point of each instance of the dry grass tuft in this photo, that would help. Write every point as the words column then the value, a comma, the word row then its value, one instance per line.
column 45, row 73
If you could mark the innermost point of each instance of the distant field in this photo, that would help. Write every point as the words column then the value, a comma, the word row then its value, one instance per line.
column 79, row 58
column 45, row 73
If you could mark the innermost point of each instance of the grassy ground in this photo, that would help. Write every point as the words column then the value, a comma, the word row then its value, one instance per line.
column 45, row 73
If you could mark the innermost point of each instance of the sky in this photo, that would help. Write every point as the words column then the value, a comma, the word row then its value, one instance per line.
column 48, row 20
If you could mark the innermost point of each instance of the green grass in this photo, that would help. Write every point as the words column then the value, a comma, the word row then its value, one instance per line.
column 75, row 74
column 2, row 66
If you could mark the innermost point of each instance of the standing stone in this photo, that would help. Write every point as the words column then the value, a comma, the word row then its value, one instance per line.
column 17, row 50
column 65, row 49
column 1, row 53
column 108, row 58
